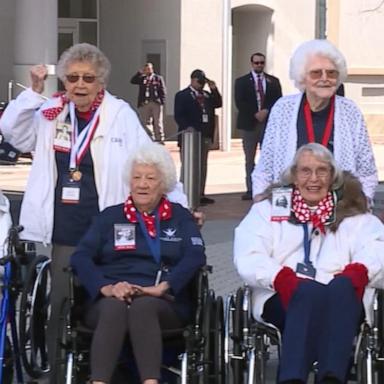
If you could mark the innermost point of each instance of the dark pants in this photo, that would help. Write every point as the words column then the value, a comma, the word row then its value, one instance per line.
column 61, row 255
column 320, row 325
column 142, row 321
column 250, row 141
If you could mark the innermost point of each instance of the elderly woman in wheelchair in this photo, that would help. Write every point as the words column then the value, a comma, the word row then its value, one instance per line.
column 136, row 262
column 311, row 252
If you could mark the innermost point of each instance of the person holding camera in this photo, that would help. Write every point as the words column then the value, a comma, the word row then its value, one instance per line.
column 195, row 109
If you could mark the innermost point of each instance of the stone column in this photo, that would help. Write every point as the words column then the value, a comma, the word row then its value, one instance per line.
column 36, row 34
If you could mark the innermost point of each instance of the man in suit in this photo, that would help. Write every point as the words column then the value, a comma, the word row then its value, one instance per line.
column 255, row 94
column 195, row 109
column 151, row 100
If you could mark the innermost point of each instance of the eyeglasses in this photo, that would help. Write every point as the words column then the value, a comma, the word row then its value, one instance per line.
column 86, row 78
column 305, row 173
column 317, row 74
column 258, row 62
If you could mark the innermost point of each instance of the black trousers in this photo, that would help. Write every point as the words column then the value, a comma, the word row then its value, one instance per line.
column 142, row 321
column 319, row 325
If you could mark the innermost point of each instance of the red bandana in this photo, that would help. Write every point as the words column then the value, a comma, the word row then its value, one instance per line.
column 165, row 213
column 53, row 112
column 303, row 214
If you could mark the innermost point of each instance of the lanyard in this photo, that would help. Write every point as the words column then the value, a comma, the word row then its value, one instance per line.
column 153, row 243
column 82, row 141
column 328, row 125
column 307, row 245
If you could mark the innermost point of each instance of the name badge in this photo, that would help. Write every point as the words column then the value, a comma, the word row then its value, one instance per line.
column 62, row 140
column 205, row 117
column 281, row 203
column 70, row 193
column 308, row 271
column 146, row 93
column 124, row 236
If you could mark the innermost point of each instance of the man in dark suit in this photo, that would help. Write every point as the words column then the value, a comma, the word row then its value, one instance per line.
column 151, row 100
column 255, row 94
column 195, row 109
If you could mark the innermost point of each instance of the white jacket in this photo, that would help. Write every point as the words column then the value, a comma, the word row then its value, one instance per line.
column 352, row 148
column 118, row 134
column 263, row 247
column 5, row 224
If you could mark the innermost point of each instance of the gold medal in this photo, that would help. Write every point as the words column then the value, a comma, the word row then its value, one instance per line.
column 76, row 175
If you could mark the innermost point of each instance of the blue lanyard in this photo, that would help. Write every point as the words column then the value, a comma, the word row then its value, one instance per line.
column 307, row 245
column 153, row 243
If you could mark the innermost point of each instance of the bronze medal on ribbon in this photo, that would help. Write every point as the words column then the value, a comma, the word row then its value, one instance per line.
column 76, row 175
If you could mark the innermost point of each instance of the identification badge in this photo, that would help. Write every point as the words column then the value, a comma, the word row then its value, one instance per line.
column 307, row 271
column 62, row 140
column 281, row 203
column 146, row 93
column 124, row 237
column 70, row 193
column 205, row 117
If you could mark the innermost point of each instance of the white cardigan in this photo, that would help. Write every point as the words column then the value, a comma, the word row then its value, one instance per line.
column 352, row 148
column 263, row 247
column 118, row 134
column 5, row 224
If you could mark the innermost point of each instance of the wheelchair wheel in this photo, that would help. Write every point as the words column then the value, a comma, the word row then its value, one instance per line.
column 34, row 316
column 7, row 363
column 237, row 361
column 260, row 359
column 208, row 350
column 218, row 347
column 64, row 368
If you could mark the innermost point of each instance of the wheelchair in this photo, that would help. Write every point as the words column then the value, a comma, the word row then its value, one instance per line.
column 249, row 343
column 193, row 354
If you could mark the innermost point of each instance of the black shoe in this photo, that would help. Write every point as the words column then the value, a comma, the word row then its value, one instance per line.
column 206, row 200
column 247, row 196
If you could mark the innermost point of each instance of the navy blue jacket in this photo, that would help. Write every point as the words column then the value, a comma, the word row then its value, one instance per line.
column 188, row 112
column 97, row 264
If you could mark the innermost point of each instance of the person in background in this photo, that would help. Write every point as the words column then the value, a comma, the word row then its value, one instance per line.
column 310, row 262
column 71, row 181
column 255, row 94
column 195, row 109
column 138, row 284
column 151, row 100
column 316, row 114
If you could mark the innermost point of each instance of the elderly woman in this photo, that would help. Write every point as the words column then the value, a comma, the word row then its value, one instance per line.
column 316, row 114
column 72, row 179
column 310, row 250
column 143, row 253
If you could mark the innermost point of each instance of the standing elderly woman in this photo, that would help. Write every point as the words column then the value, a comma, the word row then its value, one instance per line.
column 143, row 253
column 310, row 250
column 72, row 178
column 316, row 114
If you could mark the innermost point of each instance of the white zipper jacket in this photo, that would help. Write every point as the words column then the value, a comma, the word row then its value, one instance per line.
column 118, row 134
column 262, row 248
column 352, row 147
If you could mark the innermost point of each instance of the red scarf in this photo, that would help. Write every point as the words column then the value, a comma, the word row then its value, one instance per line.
column 165, row 213
column 319, row 217
column 53, row 112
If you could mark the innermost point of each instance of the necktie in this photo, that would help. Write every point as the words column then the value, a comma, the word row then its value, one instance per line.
column 260, row 91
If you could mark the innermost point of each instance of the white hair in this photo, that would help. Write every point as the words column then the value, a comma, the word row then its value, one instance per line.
column 321, row 153
column 158, row 156
column 88, row 53
column 306, row 51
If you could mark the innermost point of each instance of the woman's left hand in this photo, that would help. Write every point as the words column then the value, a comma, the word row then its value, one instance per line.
column 159, row 290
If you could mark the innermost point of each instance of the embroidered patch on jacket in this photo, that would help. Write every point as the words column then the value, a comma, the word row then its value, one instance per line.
column 170, row 235
column 197, row 241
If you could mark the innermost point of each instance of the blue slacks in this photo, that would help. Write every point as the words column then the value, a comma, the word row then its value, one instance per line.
column 320, row 324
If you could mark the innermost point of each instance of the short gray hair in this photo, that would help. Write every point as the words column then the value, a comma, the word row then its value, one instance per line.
column 321, row 153
column 157, row 155
column 308, row 49
column 85, row 52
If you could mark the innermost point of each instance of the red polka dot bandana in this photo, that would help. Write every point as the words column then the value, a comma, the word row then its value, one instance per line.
column 164, row 209
column 319, row 217
column 52, row 113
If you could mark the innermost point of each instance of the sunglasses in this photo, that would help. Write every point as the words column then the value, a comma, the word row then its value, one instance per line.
column 86, row 78
column 258, row 62
column 317, row 74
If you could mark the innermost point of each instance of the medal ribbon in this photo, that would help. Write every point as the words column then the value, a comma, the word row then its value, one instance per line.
column 81, row 142
column 328, row 125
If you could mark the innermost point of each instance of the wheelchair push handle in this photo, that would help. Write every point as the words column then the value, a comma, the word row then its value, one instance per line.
column 14, row 245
